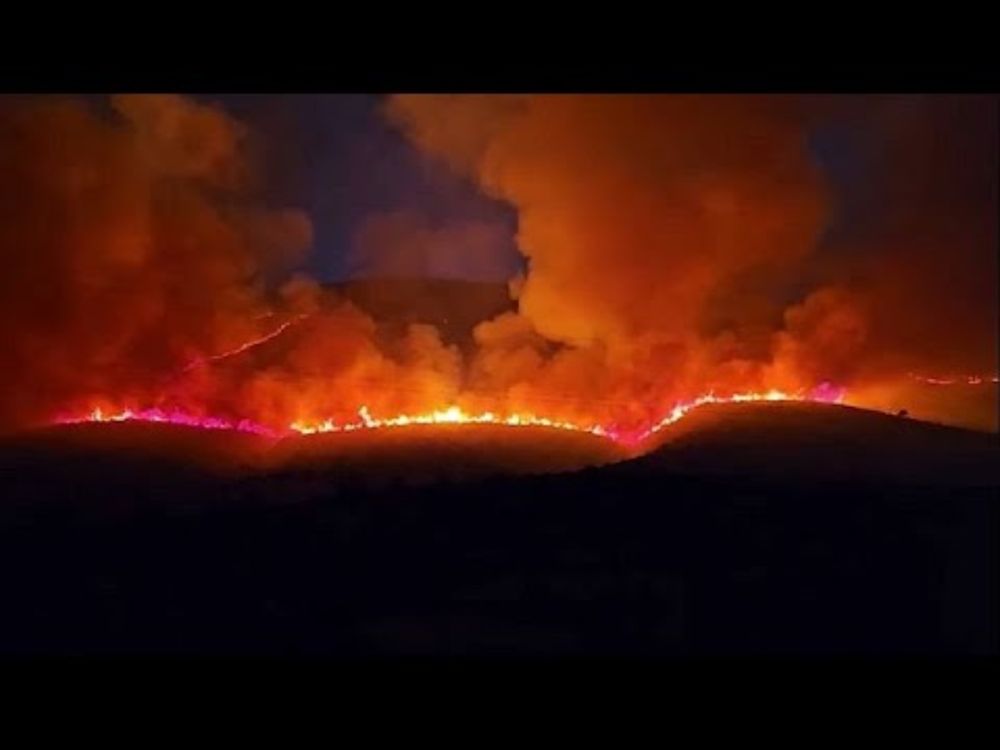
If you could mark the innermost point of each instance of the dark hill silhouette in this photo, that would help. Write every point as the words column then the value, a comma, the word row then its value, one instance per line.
column 146, row 461
column 700, row 547
column 818, row 441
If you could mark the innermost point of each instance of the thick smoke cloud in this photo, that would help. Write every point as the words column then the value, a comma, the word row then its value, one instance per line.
column 634, row 212
column 131, row 245
column 407, row 245
column 681, row 243
column 673, row 245
column 923, row 250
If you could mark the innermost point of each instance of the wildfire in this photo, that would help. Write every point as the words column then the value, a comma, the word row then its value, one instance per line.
column 174, row 416
column 247, row 345
column 453, row 415
column 824, row 394
column 956, row 379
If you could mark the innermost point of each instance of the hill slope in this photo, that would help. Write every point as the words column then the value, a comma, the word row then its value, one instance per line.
column 651, row 557
column 821, row 442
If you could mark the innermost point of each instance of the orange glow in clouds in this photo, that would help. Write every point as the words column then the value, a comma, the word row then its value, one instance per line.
column 690, row 262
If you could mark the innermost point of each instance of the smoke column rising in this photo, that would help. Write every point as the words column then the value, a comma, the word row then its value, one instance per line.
column 673, row 245
column 679, row 243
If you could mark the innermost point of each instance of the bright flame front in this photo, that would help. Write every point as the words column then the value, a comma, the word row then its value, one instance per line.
column 452, row 415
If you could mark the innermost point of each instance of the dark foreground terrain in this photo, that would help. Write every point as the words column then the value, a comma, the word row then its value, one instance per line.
column 758, row 529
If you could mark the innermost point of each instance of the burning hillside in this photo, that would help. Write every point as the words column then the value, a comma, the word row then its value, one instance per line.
column 676, row 252
column 454, row 415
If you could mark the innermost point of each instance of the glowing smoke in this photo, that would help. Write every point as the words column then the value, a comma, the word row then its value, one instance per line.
column 675, row 253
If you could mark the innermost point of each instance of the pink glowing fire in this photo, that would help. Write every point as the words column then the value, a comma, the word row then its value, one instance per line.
column 452, row 415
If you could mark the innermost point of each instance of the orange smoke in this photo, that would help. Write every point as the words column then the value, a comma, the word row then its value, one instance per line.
column 674, row 242
column 634, row 212
column 131, row 246
column 673, row 258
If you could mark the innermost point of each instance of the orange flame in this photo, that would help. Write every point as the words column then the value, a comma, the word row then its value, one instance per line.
column 247, row 345
column 452, row 415
column 956, row 379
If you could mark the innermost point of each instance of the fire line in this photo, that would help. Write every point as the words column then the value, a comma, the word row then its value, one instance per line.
column 245, row 346
column 453, row 415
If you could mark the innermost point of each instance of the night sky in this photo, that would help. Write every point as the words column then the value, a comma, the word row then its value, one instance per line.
column 338, row 159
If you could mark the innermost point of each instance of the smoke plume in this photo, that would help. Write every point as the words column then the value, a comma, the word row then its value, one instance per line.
column 681, row 243
column 132, row 245
column 673, row 246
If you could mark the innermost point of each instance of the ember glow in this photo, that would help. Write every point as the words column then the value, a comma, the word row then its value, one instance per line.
column 825, row 393
column 173, row 416
column 246, row 346
column 452, row 415
column 956, row 379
